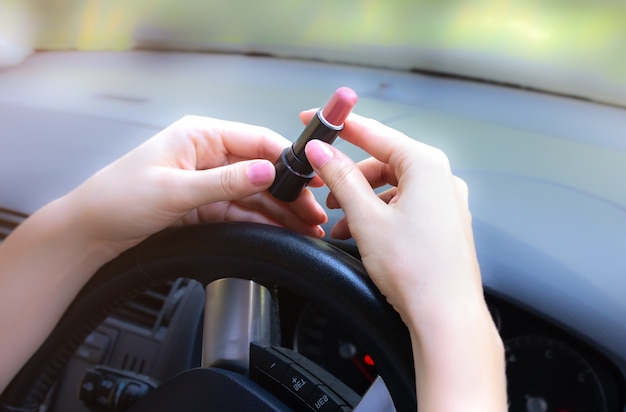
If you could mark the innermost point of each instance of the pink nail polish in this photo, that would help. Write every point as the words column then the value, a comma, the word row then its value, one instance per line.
column 318, row 153
column 260, row 173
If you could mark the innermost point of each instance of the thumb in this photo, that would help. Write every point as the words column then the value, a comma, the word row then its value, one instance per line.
column 343, row 178
column 230, row 182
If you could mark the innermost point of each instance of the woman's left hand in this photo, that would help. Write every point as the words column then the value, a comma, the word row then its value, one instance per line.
column 196, row 170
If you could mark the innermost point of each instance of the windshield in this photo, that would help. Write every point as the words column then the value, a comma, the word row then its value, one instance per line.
column 571, row 47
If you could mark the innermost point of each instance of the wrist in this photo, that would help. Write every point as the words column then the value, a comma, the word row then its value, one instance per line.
column 459, row 359
column 72, row 225
column 45, row 262
column 455, row 326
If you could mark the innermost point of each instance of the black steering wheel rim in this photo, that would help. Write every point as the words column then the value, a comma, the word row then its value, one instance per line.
column 316, row 270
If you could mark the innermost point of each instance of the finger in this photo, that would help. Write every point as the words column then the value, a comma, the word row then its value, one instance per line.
column 384, row 142
column 238, row 140
column 307, row 115
column 194, row 188
column 391, row 148
column 307, row 208
column 239, row 181
column 377, row 173
column 316, row 182
column 344, row 179
column 331, row 201
column 375, row 138
column 367, row 134
column 341, row 230
column 388, row 195
column 237, row 212
column 251, row 141
column 304, row 209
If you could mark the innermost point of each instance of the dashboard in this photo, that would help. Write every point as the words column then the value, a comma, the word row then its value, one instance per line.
column 546, row 368
column 549, row 213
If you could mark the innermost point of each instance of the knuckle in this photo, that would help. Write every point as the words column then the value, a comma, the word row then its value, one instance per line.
column 184, row 124
column 267, row 139
column 438, row 158
column 340, row 174
column 228, row 182
column 461, row 184
column 186, row 120
column 433, row 159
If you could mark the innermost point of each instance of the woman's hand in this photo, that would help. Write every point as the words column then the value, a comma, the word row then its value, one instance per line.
column 196, row 170
column 416, row 242
column 418, row 231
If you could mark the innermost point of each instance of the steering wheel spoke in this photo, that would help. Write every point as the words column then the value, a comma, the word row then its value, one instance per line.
column 237, row 312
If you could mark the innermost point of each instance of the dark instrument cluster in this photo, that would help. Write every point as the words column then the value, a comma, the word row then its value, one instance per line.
column 547, row 368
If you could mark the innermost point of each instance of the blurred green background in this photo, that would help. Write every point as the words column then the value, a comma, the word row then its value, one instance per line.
column 584, row 40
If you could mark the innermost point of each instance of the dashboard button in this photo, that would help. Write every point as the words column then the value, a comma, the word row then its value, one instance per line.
column 298, row 381
column 324, row 399
column 89, row 385
column 269, row 361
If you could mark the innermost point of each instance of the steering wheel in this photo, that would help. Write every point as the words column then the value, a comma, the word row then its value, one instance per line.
column 267, row 255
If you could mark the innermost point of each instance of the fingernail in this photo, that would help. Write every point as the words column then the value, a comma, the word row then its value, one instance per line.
column 318, row 153
column 321, row 232
column 260, row 173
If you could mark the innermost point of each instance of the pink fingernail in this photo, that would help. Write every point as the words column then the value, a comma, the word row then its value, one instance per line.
column 318, row 153
column 260, row 173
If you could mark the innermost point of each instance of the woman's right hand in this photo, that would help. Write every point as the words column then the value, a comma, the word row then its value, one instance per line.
column 416, row 242
column 418, row 232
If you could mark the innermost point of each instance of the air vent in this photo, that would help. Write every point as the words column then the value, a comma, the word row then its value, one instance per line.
column 9, row 220
column 155, row 307
column 134, row 363
column 146, row 309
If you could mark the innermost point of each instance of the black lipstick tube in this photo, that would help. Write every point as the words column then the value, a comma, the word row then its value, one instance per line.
column 293, row 170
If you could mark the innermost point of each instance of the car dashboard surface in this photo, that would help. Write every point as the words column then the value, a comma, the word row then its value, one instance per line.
column 547, row 197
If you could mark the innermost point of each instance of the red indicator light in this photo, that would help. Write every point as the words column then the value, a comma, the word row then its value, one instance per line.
column 368, row 360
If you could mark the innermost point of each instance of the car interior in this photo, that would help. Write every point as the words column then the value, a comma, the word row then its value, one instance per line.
column 527, row 100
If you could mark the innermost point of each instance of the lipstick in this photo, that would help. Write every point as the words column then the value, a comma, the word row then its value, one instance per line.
column 293, row 170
